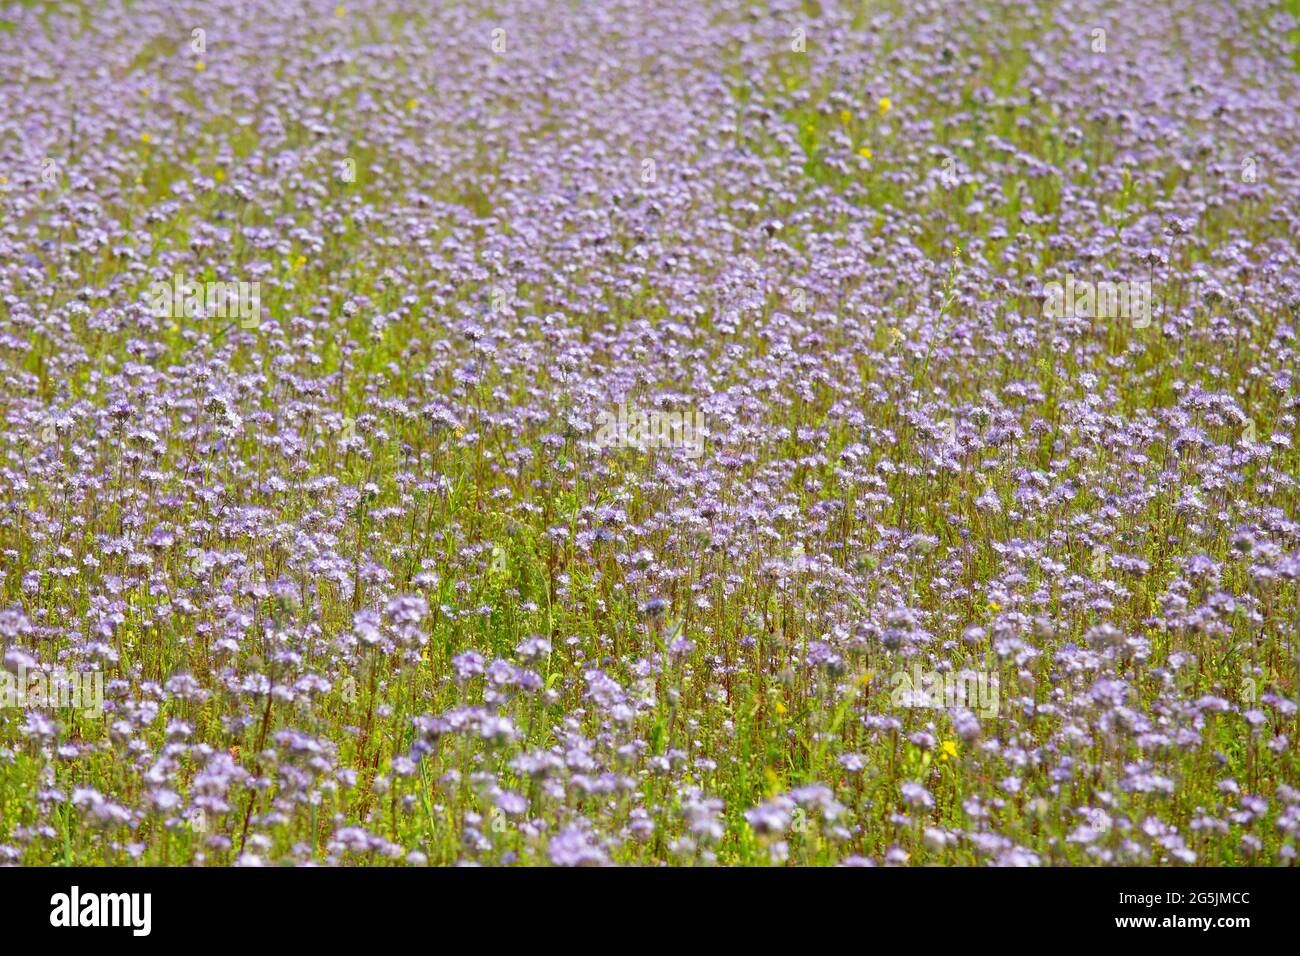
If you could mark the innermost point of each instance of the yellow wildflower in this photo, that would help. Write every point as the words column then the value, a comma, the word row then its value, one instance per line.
column 865, row 152
column 885, row 105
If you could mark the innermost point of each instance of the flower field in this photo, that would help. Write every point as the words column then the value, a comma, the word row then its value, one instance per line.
column 686, row 433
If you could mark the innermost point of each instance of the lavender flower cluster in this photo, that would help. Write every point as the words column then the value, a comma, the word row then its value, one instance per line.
column 579, row 434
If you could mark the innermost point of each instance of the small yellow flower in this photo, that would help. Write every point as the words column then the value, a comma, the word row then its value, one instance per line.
column 949, row 749
column 219, row 176
column 885, row 105
column 865, row 679
column 340, row 11
column 780, row 709
column 300, row 262
column 846, row 117
column 144, row 138
column 865, row 152
column 994, row 606
column 200, row 67
column 412, row 104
